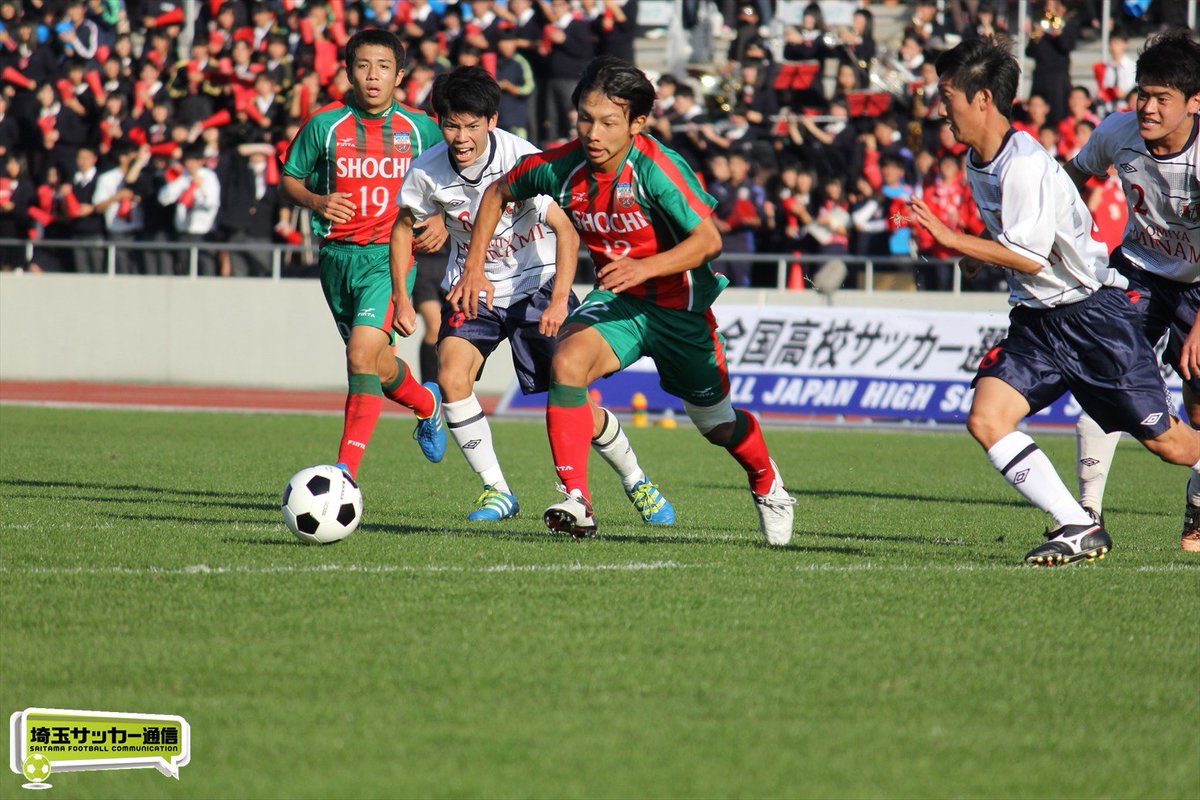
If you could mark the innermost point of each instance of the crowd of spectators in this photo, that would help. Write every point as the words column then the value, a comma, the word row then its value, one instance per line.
column 108, row 132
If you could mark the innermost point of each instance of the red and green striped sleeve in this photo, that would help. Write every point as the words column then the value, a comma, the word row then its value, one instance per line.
column 672, row 185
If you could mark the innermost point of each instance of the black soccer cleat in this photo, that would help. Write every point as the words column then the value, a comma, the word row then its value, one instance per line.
column 1070, row 543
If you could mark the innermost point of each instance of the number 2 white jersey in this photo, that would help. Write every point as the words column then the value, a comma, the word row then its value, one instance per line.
column 1161, row 192
column 1030, row 206
column 521, row 255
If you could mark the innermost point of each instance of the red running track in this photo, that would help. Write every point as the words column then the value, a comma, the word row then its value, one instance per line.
column 117, row 395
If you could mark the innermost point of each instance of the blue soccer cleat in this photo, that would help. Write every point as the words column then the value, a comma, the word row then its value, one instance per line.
column 430, row 433
column 494, row 505
column 651, row 504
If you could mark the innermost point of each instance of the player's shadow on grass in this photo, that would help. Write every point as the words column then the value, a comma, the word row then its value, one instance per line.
column 750, row 539
column 116, row 487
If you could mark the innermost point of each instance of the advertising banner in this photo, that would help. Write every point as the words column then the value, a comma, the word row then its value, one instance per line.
column 839, row 363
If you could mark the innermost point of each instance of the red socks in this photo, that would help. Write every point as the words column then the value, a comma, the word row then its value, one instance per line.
column 405, row 390
column 569, row 423
column 749, row 449
column 363, row 404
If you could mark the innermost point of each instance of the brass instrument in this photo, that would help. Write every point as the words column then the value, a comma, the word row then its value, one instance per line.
column 1051, row 22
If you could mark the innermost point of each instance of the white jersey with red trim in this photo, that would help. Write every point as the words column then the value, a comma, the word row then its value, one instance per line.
column 522, row 255
column 1161, row 192
column 1030, row 206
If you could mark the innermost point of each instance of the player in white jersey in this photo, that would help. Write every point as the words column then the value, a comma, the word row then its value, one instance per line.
column 529, row 269
column 1067, row 331
column 1156, row 152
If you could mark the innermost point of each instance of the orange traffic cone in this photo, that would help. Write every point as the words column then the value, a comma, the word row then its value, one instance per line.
column 795, row 281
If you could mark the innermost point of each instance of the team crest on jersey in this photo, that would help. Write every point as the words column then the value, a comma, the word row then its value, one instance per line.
column 625, row 195
column 402, row 142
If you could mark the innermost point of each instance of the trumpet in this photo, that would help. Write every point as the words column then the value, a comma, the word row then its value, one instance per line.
column 1051, row 22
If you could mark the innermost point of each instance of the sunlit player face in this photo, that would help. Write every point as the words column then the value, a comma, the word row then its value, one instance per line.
column 1165, row 115
column 466, row 136
column 605, row 130
column 967, row 118
column 373, row 77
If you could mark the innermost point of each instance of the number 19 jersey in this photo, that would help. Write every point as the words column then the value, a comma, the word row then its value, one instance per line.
column 649, row 204
column 342, row 149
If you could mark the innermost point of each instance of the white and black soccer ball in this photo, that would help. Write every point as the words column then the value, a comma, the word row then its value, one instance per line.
column 322, row 505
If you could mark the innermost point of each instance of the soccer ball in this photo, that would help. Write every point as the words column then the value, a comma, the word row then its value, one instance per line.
column 322, row 505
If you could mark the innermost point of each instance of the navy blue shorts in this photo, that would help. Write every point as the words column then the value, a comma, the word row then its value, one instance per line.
column 531, row 352
column 1094, row 349
column 1166, row 306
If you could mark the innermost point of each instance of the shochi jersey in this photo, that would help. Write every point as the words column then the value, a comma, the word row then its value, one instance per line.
column 649, row 204
column 1030, row 206
column 521, row 256
column 1162, row 194
column 340, row 149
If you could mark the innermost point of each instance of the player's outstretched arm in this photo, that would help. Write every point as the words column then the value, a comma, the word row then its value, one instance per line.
column 464, row 296
column 972, row 246
column 1189, row 356
column 701, row 245
column 566, row 261
column 1078, row 177
column 432, row 236
column 336, row 207
column 400, row 259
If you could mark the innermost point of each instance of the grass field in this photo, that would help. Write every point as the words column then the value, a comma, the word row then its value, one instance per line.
column 897, row 648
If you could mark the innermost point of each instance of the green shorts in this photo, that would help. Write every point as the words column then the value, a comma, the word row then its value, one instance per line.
column 686, row 346
column 357, row 282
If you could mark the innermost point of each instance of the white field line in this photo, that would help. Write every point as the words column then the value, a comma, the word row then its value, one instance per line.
column 631, row 566
column 289, row 569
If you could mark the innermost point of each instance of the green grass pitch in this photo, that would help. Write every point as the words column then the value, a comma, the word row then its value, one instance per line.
column 896, row 649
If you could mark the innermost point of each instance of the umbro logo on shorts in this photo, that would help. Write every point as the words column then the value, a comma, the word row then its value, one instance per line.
column 1152, row 419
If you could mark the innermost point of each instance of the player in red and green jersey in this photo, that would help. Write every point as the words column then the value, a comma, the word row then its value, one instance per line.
column 347, row 165
column 648, row 225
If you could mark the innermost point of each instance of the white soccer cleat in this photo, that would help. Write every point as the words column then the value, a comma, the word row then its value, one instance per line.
column 572, row 515
column 775, row 511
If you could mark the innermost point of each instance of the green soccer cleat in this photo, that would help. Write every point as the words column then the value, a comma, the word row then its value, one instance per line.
column 651, row 504
column 494, row 505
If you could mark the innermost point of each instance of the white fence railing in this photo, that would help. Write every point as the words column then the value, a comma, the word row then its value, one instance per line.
column 300, row 259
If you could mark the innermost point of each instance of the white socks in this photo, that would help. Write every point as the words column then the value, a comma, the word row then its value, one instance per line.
column 613, row 446
column 469, row 427
column 1094, row 456
column 1029, row 471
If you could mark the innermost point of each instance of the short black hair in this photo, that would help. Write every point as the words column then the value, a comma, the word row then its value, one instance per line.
column 466, row 90
column 375, row 36
column 1171, row 59
column 978, row 64
column 621, row 82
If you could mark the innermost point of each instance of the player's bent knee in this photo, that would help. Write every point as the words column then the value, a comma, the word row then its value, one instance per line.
column 986, row 430
column 456, row 385
column 714, row 422
column 362, row 361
